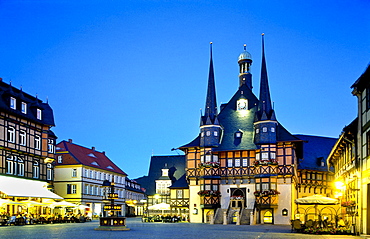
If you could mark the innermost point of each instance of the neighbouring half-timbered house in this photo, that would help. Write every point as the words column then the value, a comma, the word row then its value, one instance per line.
column 27, row 148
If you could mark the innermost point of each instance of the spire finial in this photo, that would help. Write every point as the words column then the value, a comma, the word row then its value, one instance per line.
column 245, row 47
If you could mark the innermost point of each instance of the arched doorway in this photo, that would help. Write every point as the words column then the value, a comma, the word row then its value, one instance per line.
column 237, row 198
column 268, row 217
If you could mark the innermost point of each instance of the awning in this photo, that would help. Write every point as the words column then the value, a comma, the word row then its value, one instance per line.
column 19, row 187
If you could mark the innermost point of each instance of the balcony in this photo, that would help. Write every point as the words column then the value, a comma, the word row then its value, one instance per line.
column 269, row 201
column 210, row 202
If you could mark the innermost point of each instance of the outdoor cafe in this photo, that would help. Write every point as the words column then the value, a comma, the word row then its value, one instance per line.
column 317, row 214
column 30, row 202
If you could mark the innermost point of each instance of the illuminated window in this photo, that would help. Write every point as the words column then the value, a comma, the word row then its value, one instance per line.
column 86, row 189
column 265, row 156
column 242, row 104
column 22, row 138
column 49, row 172
column 245, row 162
column 36, row 169
column 20, row 167
column 51, row 147
column 273, row 129
column 60, row 159
column 37, row 142
column 264, row 129
column 39, row 114
column 215, row 133
column 229, row 163
column 74, row 172
column 11, row 134
column 237, row 162
column 257, row 131
column 13, row 103
column 10, row 164
column 24, row 108
column 208, row 133
column 179, row 193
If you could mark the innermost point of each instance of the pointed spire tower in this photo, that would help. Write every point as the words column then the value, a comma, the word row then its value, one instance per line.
column 210, row 128
column 265, row 120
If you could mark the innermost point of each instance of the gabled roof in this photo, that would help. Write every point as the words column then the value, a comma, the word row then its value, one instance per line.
column 232, row 121
column 180, row 183
column 315, row 150
column 175, row 163
column 83, row 155
column 33, row 103
column 363, row 81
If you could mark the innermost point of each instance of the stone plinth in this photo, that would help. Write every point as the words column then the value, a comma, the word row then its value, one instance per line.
column 112, row 224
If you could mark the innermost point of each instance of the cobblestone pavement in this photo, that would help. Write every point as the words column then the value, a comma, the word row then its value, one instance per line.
column 141, row 230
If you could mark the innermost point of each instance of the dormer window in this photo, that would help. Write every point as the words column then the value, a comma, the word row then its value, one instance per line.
column 24, row 108
column 13, row 103
column 39, row 114
column 238, row 134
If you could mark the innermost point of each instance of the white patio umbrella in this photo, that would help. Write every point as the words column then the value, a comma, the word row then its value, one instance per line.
column 160, row 206
column 316, row 200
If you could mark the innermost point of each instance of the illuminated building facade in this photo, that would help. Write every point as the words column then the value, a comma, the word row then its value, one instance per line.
column 27, row 148
column 79, row 176
column 243, row 166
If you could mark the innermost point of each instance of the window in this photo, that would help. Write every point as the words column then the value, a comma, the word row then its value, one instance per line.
column 207, row 187
column 92, row 190
column 273, row 129
column 273, row 155
column 97, row 191
column 60, row 159
column 49, row 172
column 11, row 134
column 257, row 131
column 37, row 142
column 238, row 134
column 71, row 188
column 13, row 103
column 229, row 163
column 265, row 156
column 257, row 156
column 9, row 164
column 22, row 138
column 51, row 147
column 86, row 189
column 237, row 162
column 242, row 104
column 74, row 172
column 39, row 114
column 245, row 162
column 208, row 158
column 264, row 129
column 208, row 133
column 36, row 169
column 24, row 108
column 20, row 167
column 215, row 133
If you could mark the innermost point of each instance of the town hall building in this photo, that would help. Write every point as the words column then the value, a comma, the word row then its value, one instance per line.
column 243, row 166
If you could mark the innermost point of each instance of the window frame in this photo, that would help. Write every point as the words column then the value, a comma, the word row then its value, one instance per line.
column 13, row 103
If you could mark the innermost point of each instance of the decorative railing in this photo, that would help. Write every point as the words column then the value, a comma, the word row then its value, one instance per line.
column 209, row 165
column 209, row 193
column 267, row 201
column 266, row 193
column 241, row 171
column 266, row 162
column 183, row 202
column 210, row 202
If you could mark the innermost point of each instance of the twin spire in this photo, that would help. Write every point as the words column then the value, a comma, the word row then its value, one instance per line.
column 210, row 114
column 265, row 110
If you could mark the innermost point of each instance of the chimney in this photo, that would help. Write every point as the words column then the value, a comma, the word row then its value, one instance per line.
column 103, row 152
column 93, row 148
column 70, row 141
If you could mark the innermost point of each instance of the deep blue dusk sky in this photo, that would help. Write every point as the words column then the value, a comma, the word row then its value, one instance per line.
column 130, row 77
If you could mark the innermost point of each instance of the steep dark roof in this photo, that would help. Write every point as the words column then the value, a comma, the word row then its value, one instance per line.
column 175, row 163
column 363, row 81
column 283, row 135
column 180, row 183
column 86, row 156
column 315, row 150
column 232, row 121
column 7, row 91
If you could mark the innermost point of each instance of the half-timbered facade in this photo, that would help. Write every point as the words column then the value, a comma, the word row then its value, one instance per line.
column 27, row 145
column 242, row 167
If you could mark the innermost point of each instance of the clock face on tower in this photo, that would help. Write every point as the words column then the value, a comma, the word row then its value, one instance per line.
column 242, row 104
